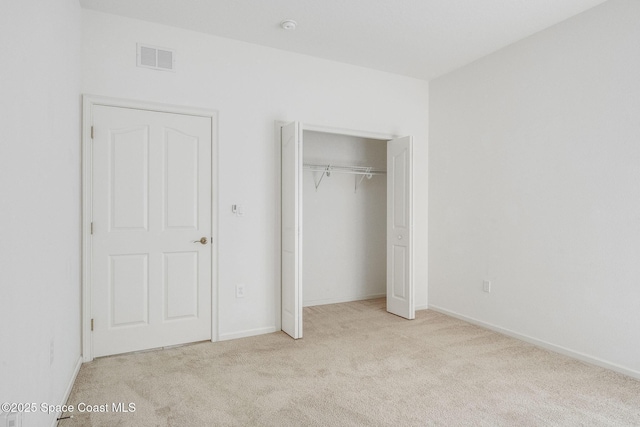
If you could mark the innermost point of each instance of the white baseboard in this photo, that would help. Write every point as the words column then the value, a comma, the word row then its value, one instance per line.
column 540, row 343
column 247, row 333
column 342, row 299
column 67, row 392
column 421, row 307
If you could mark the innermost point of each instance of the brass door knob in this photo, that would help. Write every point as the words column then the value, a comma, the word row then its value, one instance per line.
column 203, row 241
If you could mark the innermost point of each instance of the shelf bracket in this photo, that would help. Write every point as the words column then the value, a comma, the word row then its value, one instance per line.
column 326, row 172
column 358, row 180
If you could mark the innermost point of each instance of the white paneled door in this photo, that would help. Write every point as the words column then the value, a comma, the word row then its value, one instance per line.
column 399, row 228
column 291, row 253
column 151, row 257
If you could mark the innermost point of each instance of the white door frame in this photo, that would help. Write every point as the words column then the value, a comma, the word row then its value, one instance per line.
column 88, row 102
column 324, row 129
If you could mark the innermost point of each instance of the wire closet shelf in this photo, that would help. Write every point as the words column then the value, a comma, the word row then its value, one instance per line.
column 360, row 172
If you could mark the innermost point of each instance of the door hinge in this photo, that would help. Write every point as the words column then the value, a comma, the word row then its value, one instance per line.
column 91, row 132
column 92, row 228
column 91, row 324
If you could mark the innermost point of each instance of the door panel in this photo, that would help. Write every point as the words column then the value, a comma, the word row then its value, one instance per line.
column 181, row 174
column 399, row 232
column 399, row 262
column 181, row 285
column 291, row 254
column 151, row 188
column 128, row 169
column 129, row 289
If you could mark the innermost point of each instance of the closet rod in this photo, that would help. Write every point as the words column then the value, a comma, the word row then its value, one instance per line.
column 356, row 170
column 363, row 171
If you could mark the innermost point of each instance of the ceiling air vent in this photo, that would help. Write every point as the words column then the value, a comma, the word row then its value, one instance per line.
column 157, row 58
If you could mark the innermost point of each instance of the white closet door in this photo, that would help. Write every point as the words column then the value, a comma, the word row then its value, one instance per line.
column 151, row 272
column 399, row 228
column 291, row 139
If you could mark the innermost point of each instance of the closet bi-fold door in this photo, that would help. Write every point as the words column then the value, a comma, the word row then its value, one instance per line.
column 291, row 252
column 399, row 228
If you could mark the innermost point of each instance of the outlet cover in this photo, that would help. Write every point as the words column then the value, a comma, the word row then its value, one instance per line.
column 12, row 419
column 239, row 291
column 486, row 286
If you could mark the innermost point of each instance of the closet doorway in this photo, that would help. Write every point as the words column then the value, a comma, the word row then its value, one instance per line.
column 321, row 168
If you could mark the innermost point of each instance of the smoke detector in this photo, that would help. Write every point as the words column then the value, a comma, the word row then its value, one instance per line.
column 289, row 24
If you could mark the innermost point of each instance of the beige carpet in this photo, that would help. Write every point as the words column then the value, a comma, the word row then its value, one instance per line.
column 358, row 366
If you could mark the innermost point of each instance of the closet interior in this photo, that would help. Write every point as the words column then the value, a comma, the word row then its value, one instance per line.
column 344, row 218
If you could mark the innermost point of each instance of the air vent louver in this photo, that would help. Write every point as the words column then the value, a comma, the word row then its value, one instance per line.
column 157, row 58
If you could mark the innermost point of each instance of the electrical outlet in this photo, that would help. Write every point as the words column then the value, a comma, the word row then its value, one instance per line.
column 12, row 419
column 240, row 291
column 486, row 286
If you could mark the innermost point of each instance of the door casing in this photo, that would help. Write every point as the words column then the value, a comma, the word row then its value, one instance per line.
column 88, row 102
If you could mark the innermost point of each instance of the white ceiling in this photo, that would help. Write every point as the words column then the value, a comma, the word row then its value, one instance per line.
column 417, row 38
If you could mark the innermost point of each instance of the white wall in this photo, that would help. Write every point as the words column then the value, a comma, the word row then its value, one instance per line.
column 251, row 87
column 39, row 202
column 344, row 231
column 534, row 184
